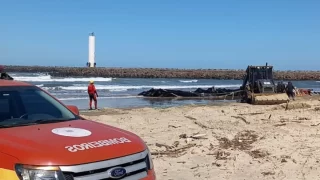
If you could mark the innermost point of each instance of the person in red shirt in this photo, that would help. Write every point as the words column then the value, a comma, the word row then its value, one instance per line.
column 92, row 92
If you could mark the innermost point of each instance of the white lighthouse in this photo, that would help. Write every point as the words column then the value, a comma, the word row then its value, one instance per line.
column 91, row 61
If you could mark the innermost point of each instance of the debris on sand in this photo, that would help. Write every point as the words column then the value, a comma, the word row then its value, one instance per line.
column 198, row 123
column 172, row 151
column 317, row 108
column 242, row 118
column 292, row 106
column 251, row 114
column 315, row 124
column 196, row 136
column 222, row 155
column 191, row 118
column 282, row 124
column 268, row 173
column 241, row 141
column 259, row 153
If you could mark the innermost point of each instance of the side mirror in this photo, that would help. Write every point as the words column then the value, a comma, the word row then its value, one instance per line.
column 74, row 109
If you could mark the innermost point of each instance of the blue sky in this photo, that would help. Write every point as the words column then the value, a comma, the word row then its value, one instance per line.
column 166, row 33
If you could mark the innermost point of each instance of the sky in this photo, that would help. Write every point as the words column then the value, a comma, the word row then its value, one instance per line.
column 210, row 34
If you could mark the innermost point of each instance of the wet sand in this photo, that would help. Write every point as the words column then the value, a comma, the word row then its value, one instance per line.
column 231, row 141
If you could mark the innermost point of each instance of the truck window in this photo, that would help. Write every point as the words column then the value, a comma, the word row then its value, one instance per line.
column 29, row 104
column 35, row 103
column 4, row 108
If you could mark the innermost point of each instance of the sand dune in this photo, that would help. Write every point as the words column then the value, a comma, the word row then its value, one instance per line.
column 234, row 141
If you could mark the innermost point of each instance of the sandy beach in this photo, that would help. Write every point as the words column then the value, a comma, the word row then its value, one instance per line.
column 231, row 141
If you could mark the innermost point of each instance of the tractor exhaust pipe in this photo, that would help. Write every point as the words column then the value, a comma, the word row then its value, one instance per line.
column 266, row 71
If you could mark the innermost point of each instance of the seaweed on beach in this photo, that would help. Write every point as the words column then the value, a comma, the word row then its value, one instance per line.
column 292, row 106
column 241, row 141
column 172, row 151
column 258, row 153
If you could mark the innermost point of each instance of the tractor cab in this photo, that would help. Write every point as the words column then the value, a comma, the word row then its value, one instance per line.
column 264, row 86
column 259, row 79
column 259, row 86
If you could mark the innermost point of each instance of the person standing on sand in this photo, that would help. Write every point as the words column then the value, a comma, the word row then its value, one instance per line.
column 290, row 90
column 92, row 92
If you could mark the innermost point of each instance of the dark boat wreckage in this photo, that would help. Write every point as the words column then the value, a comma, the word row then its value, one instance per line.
column 258, row 87
column 210, row 93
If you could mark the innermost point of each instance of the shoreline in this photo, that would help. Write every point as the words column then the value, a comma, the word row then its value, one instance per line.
column 232, row 141
column 103, row 110
column 143, row 102
column 158, row 103
column 163, row 106
column 219, row 74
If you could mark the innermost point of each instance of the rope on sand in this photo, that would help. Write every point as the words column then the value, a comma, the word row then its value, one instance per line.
column 231, row 94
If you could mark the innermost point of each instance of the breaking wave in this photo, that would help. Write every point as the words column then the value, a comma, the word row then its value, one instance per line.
column 113, row 97
column 189, row 81
column 48, row 78
column 125, row 88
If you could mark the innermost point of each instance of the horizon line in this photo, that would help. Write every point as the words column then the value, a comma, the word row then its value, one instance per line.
column 194, row 69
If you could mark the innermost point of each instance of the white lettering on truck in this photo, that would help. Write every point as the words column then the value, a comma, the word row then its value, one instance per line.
column 97, row 144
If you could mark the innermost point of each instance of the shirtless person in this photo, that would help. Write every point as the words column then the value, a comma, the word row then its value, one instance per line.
column 290, row 90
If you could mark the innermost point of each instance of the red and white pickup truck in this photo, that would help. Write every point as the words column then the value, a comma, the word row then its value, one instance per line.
column 43, row 139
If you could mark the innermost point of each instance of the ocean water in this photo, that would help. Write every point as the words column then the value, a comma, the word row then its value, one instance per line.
column 123, row 92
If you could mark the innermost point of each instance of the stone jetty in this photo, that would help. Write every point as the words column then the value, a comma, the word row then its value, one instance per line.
column 56, row 71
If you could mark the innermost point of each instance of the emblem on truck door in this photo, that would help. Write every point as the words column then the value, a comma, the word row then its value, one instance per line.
column 71, row 132
column 117, row 172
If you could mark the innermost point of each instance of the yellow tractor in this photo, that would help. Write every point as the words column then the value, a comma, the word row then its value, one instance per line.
column 259, row 87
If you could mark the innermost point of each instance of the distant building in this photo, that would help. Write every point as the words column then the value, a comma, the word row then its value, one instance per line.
column 91, row 61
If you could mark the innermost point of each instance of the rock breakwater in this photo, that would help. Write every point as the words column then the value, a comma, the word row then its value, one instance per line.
column 57, row 71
